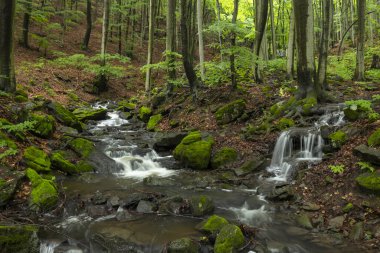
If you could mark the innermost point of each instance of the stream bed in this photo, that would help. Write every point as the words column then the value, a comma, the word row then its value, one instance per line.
column 121, row 219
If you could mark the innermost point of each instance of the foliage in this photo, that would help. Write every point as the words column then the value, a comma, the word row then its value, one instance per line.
column 8, row 152
column 367, row 167
column 18, row 128
column 337, row 169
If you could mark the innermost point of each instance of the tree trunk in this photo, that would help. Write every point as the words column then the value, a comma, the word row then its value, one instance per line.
column 233, row 45
column 170, row 44
column 261, row 20
column 352, row 20
column 303, row 12
column 200, row 38
column 7, row 70
column 291, row 47
column 219, row 30
column 26, row 23
column 119, row 26
column 150, row 46
column 87, row 36
column 359, row 71
column 274, row 46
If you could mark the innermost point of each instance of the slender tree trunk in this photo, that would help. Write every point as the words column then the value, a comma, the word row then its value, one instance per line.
column 261, row 20
column 291, row 47
column 359, row 71
column 352, row 8
column 170, row 44
column 119, row 27
column 273, row 28
column 7, row 69
column 303, row 12
column 26, row 22
column 150, row 46
column 233, row 45
column 87, row 36
column 323, row 47
column 200, row 38
column 219, row 30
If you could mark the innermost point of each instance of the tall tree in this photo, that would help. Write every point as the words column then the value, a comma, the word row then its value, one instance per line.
column 303, row 13
column 219, row 29
column 359, row 71
column 28, row 6
column 150, row 46
column 261, row 21
column 170, row 44
column 291, row 47
column 86, row 39
column 233, row 45
column 273, row 29
column 200, row 38
column 7, row 70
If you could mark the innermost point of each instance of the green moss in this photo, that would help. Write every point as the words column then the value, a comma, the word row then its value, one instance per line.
column 44, row 196
column 145, row 113
column 44, row 126
column 84, row 166
column 230, row 112
column 84, row 114
column 201, row 205
column 338, row 138
column 230, row 239
column 7, row 142
column 126, row 106
column 82, row 146
column 285, row 123
column 153, row 122
column 59, row 162
column 213, row 224
column 369, row 181
column 33, row 177
column 374, row 139
column 347, row 208
column 278, row 109
column 37, row 159
column 308, row 104
column 20, row 239
column 194, row 152
column 21, row 99
column 358, row 109
column 65, row 116
column 223, row 157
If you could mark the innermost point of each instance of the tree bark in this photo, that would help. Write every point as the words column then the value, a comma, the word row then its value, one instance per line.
column 359, row 71
column 261, row 20
column 150, row 46
column 170, row 44
column 26, row 22
column 87, row 36
column 7, row 70
column 273, row 29
column 200, row 39
column 219, row 30
column 119, row 26
column 233, row 45
column 291, row 47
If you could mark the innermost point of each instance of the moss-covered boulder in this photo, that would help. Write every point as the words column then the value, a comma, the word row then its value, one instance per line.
column 307, row 105
column 369, row 181
column 223, row 157
column 374, row 139
column 285, row 123
column 230, row 112
column 5, row 141
column 84, row 114
column 44, row 126
column 82, row 147
column 144, row 114
column 126, row 106
column 201, row 205
column 59, row 162
column 338, row 138
column 153, row 122
column 64, row 116
column 250, row 166
column 368, row 154
column 44, row 195
column 194, row 151
column 37, row 159
column 20, row 239
column 183, row 245
column 230, row 239
column 9, row 182
column 212, row 225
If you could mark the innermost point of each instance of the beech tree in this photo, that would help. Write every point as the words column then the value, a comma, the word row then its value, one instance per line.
column 28, row 6
column 260, row 24
column 200, row 38
column 150, row 46
column 233, row 44
column 7, row 69
column 359, row 71
column 170, row 44
column 86, row 39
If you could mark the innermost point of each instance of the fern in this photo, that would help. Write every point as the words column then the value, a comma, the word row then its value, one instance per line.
column 18, row 128
column 366, row 167
column 8, row 152
column 337, row 169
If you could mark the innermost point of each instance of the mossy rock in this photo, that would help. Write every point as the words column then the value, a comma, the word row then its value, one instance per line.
column 158, row 99
column 37, row 159
column 9, row 183
column 212, row 225
column 84, row 114
column 59, row 162
column 21, row 99
column 230, row 239
column 285, row 123
column 338, row 138
column 20, row 239
column 230, row 112
column 369, row 181
column 280, row 108
column 183, row 245
column 82, row 147
column 223, row 157
column 347, row 208
column 64, row 116
column 201, row 205
column 44, row 126
column 352, row 115
column 84, row 166
column 126, row 106
column 374, row 139
column 144, row 114
column 44, row 195
column 194, row 152
column 153, row 122
column 7, row 142
column 307, row 105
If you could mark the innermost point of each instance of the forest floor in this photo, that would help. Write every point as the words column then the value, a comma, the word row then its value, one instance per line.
column 70, row 86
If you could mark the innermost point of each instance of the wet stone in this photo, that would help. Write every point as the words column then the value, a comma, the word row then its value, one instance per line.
column 113, row 201
column 98, row 199
column 96, row 211
column 145, row 207
column 336, row 223
column 311, row 207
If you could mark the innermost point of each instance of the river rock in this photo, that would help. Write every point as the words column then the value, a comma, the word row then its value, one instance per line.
column 310, row 207
column 20, row 239
column 168, row 141
column 113, row 201
column 59, row 162
column 144, row 114
column 230, row 239
column 158, row 181
column 37, row 159
column 250, row 166
column 172, row 205
column 223, row 157
column 183, row 245
column 153, row 122
column 145, row 207
column 84, row 114
column 281, row 192
column 168, row 163
column 212, row 225
column 368, row 154
column 44, row 125
column 96, row 211
column 304, row 221
column 357, row 232
column 336, row 223
column 64, row 116
column 370, row 181
column 201, row 205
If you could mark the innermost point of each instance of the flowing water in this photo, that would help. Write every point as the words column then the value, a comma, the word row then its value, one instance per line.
column 131, row 148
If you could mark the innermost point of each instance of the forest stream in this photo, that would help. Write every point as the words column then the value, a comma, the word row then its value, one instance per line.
column 127, row 216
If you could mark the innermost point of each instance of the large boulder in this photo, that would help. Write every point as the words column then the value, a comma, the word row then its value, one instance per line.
column 126, row 106
column 37, row 159
column 212, row 225
column 250, row 166
column 230, row 112
column 223, row 157
column 368, row 154
column 168, row 141
column 20, row 239
column 144, row 114
column 230, row 239
column 84, row 114
column 194, row 151
column 59, row 162
column 64, row 116
column 44, row 126
column 153, row 122
column 183, row 245
column 82, row 147
column 369, row 181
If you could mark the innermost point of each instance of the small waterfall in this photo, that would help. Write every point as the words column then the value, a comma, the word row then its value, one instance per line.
column 48, row 247
column 299, row 144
